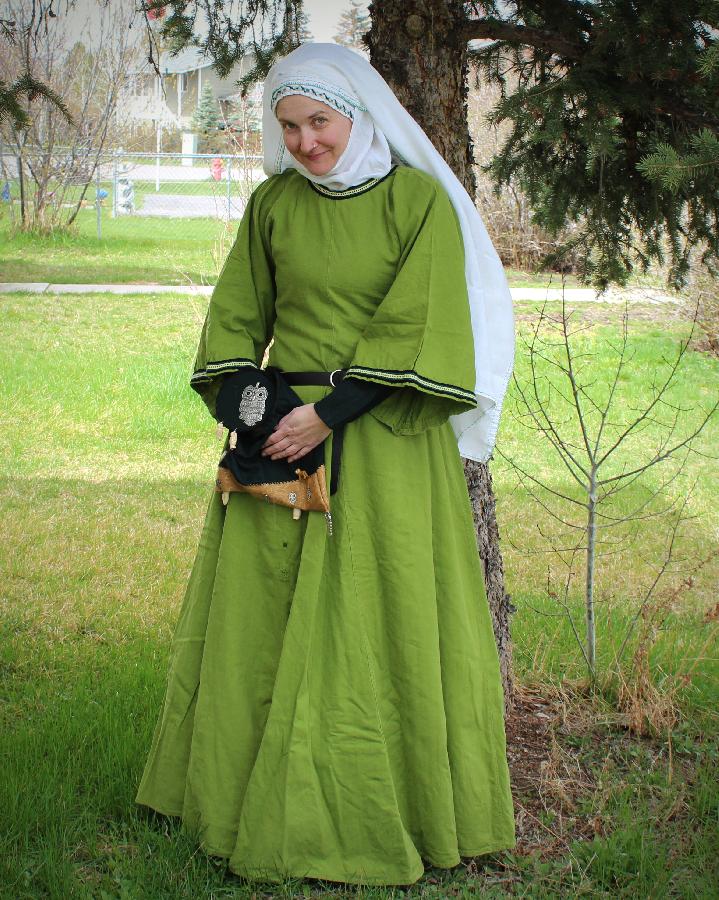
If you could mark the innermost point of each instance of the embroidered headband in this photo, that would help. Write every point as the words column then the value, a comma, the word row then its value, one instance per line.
column 327, row 93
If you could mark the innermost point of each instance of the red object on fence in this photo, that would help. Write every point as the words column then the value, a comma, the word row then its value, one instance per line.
column 216, row 168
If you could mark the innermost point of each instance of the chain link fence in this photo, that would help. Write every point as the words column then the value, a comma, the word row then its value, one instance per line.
column 167, row 196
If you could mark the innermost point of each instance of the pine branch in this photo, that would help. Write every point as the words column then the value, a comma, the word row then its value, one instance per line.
column 517, row 35
column 556, row 44
column 27, row 86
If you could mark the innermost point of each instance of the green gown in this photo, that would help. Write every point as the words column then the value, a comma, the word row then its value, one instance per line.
column 334, row 706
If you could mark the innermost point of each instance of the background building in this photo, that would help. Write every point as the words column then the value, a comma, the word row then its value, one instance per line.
column 170, row 99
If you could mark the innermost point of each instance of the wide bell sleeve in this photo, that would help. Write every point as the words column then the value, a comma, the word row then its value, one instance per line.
column 419, row 340
column 240, row 316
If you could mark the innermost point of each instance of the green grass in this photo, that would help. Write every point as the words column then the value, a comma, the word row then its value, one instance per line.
column 145, row 250
column 133, row 250
column 207, row 187
column 107, row 466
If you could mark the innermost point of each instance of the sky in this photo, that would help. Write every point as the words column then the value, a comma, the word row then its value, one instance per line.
column 323, row 16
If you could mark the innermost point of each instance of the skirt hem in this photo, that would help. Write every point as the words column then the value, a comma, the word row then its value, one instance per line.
column 274, row 876
column 157, row 807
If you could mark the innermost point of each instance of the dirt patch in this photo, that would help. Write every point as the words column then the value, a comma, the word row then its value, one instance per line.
column 566, row 757
column 549, row 781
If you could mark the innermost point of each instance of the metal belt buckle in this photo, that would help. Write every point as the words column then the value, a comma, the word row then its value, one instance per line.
column 332, row 374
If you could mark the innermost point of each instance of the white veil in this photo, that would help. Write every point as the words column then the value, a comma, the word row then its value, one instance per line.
column 342, row 78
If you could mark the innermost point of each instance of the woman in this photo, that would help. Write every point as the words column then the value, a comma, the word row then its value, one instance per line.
column 334, row 705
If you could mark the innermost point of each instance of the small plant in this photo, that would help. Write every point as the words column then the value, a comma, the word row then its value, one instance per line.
column 599, row 434
column 649, row 708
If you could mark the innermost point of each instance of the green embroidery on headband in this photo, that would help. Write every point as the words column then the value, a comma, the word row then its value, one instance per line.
column 337, row 98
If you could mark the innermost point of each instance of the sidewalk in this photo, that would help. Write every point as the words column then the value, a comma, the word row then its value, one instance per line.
column 572, row 295
column 42, row 287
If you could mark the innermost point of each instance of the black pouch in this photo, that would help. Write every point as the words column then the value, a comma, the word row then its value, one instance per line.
column 249, row 404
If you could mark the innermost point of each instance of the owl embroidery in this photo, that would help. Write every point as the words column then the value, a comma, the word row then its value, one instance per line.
column 252, row 405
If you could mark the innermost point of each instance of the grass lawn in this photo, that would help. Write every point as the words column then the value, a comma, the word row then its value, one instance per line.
column 145, row 250
column 133, row 250
column 108, row 459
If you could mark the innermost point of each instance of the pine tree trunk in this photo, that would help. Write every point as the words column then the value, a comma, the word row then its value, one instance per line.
column 418, row 48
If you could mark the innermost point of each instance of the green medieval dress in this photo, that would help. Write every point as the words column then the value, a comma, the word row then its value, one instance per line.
column 334, row 706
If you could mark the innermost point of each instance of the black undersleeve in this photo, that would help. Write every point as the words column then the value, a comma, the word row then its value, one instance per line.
column 349, row 400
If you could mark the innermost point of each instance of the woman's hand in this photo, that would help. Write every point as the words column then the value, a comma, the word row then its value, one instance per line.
column 296, row 434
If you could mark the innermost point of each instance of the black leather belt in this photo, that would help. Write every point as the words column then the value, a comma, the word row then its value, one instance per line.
column 324, row 379
column 330, row 379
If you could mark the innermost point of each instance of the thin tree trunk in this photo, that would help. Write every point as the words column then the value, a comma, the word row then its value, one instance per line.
column 589, row 594
column 21, row 180
column 418, row 47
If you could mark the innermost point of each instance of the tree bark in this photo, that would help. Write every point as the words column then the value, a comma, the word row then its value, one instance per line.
column 420, row 48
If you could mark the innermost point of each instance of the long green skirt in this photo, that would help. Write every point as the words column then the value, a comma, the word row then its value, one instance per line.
column 334, row 706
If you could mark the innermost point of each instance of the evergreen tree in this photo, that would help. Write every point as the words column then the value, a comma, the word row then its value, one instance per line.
column 305, row 35
column 16, row 95
column 352, row 25
column 243, row 118
column 206, row 117
column 615, row 124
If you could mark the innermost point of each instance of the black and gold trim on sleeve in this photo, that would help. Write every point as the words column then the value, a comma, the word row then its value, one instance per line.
column 409, row 378
column 220, row 367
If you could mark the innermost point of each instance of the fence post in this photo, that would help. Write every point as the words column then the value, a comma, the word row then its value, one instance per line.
column 114, row 183
column 97, row 201
column 22, row 189
column 157, row 158
column 229, row 187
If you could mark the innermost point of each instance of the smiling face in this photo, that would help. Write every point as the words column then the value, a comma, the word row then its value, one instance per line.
column 314, row 133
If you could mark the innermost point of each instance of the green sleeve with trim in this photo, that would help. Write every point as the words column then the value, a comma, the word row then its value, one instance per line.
column 420, row 337
column 240, row 317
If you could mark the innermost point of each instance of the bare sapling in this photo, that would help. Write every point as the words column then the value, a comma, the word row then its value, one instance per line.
column 56, row 150
column 623, row 444
column 243, row 131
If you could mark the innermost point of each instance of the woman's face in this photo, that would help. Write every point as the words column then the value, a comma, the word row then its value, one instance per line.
column 314, row 133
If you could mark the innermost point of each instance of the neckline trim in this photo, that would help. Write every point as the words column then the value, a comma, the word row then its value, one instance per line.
column 351, row 191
